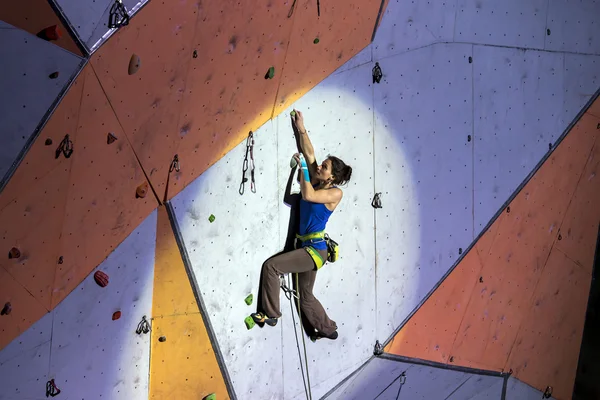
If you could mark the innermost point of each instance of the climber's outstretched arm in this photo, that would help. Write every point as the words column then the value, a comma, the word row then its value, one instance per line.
column 306, row 146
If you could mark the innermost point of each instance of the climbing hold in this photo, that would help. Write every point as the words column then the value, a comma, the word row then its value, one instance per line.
column 249, row 299
column 249, row 322
column 481, row 279
column 211, row 218
column 293, row 163
column 270, row 73
column 162, row 339
column 60, row 260
column 116, row 315
column 50, row 33
column 460, row 250
column 141, row 190
column 559, row 236
column 470, row 60
column 376, row 203
column 293, row 113
column 53, row 75
column 469, row 138
column 212, row 396
column 316, row 41
column 6, row 309
column 14, row 253
column 195, row 54
column 134, row 64
column 451, row 359
column 377, row 73
column 48, row 142
column 110, row 138
column 508, row 209
column 101, row 278
column 548, row 32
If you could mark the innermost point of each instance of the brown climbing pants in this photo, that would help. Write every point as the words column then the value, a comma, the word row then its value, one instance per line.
column 296, row 261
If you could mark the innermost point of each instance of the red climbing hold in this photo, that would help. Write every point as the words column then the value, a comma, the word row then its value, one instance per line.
column 116, row 315
column 50, row 33
column 101, row 278
column 14, row 253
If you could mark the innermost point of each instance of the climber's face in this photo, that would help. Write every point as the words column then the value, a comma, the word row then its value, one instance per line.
column 324, row 171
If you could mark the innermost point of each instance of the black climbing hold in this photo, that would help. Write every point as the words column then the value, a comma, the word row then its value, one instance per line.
column 598, row 126
column 110, row 138
column 60, row 260
column 53, row 75
column 162, row 339
column 470, row 60
column 460, row 250
column 7, row 309
column 559, row 236
column 481, row 279
column 195, row 54
column 270, row 73
column 549, row 146
column 508, row 209
column 377, row 73
column 548, row 32
column 48, row 142
column 451, row 359
column 14, row 253
column 469, row 138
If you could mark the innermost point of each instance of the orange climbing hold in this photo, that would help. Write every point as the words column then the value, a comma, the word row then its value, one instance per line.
column 101, row 278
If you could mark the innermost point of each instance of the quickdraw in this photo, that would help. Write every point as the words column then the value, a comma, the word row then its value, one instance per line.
column 174, row 164
column 51, row 389
column 118, row 15
column 249, row 150
column 377, row 74
column 65, row 147
column 143, row 326
column 376, row 203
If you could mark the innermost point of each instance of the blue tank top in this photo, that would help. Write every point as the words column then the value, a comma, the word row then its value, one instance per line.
column 313, row 218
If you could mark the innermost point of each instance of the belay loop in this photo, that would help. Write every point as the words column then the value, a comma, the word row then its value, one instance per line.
column 65, row 147
column 143, row 326
column 118, row 15
column 376, row 203
column 377, row 74
column 51, row 389
column 249, row 150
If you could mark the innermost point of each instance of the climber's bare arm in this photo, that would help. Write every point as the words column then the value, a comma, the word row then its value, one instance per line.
column 306, row 146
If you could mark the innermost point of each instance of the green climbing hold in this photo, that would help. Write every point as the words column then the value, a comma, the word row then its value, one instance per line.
column 316, row 41
column 249, row 322
column 271, row 73
column 212, row 396
column 293, row 113
column 211, row 218
column 249, row 299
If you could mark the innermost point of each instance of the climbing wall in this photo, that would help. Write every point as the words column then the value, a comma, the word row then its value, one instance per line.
column 184, row 361
column 522, row 291
column 27, row 63
column 80, row 344
column 20, row 15
column 389, row 379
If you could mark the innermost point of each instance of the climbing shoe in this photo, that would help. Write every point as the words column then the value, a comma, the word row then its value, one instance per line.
column 261, row 319
column 320, row 335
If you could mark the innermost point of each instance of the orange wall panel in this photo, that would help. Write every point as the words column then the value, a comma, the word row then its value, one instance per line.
column 446, row 307
column 32, row 223
column 147, row 103
column 26, row 310
column 33, row 16
column 40, row 159
column 580, row 226
column 595, row 108
column 227, row 94
column 485, row 242
column 546, row 350
column 343, row 30
column 102, row 208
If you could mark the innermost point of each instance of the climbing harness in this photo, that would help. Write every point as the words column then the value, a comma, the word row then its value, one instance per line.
column 377, row 74
column 51, row 389
column 65, row 147
column 305, row 379
column 249, row 150
column 376, row 203
column 307, row 240
column 118, row 16
column 143, row 326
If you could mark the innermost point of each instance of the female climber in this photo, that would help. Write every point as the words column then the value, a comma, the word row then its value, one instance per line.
column 320, row 197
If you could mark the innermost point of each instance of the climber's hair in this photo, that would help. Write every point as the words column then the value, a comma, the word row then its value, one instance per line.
column 340, row 171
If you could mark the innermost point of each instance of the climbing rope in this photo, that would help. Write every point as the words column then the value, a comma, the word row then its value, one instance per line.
column 249, row 150
column 296, row 294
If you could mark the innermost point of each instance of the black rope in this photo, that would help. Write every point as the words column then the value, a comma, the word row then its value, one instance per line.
column 51, row 389
column 249, row 150
column 118, row 16
column 65, row 147
column 143, row 326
